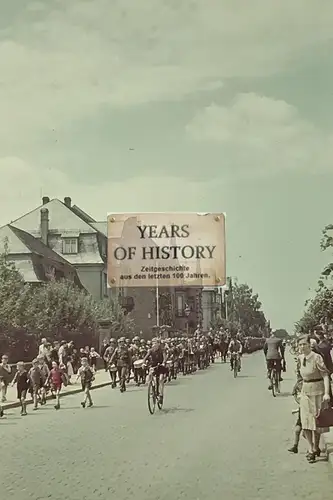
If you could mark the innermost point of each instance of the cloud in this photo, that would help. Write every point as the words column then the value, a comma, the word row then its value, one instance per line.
column 61, row 61
column 261, row 134
column 139, row 194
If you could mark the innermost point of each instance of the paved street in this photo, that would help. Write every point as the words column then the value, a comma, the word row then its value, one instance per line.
column 217, row 437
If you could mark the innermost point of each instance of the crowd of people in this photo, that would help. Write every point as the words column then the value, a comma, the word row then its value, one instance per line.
column 58, row 363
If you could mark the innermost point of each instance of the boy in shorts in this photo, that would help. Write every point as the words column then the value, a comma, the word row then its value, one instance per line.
column 22, row 382
column 86, row 374
column 35, row 376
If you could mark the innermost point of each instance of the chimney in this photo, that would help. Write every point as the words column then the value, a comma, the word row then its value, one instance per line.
column 44, row 225
column 45, row 200
column 68, row 201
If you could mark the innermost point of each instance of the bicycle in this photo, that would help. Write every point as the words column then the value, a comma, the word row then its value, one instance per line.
column 297, row 390
column 153, row 391
column 275, row 381
column 236, row 363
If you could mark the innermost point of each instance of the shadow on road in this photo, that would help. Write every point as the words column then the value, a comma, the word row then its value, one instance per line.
column 285, row 394
column 94, row 407
column 175, row 409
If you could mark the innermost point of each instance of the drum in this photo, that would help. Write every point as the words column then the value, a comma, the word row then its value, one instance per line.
column 113, row 368
column 138, row 364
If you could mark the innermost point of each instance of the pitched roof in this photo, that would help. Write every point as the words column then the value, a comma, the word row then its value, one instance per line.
column 101, row 226
column 36, row 246
column 61, row 219
column 15, row 244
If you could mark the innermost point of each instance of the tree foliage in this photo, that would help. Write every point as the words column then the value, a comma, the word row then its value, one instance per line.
column 57, row 310
column 281, row 333
column 244, row 312
column 319, row 309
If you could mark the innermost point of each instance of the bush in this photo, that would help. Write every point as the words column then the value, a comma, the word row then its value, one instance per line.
column 57, row 310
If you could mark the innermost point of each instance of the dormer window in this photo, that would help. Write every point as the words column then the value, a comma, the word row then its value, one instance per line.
column 70, row 245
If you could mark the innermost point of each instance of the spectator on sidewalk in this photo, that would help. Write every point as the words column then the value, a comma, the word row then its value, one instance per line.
column 62, row 353
column 5, row 373
column 75, row 360
column 314, row 392
column 43, row 348
column 54, row 355
column 104, row 347
column 324, row 348
column 94, row 356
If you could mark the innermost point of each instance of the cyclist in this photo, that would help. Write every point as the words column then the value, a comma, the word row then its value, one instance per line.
column 158, row 357
column 274, row 354
column 235, row 349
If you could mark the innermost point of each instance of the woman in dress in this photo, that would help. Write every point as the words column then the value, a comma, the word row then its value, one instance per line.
column 315, row 392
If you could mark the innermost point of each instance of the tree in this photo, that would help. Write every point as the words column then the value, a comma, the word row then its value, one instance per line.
column 14, row 296
column 318, row 311
column 121, row 323
column 11, row 287
column 57, row 310
column 244, row 310
column 282, row 333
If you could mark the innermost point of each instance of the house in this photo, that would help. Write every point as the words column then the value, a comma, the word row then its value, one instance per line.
column 69, row 233
column 187, row 307
column 36, row 262
column 211, row 306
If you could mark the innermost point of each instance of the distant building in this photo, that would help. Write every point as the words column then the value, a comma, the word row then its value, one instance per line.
column 211, row 306
column 77, row 239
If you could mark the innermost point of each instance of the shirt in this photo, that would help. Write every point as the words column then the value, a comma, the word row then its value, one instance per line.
column 312, row 368
column 5, row 371
column 85, row 373
column 272, row 348
column 235, row 346
column 157, row 356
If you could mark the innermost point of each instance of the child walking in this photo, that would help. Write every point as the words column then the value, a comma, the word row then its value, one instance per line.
column 5, row 373
column 45, row 372
column 36, row 382
column 22, row 382
column 56, row 379
column 86, row 374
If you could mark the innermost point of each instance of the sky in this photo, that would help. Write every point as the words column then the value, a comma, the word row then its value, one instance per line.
column 179, row 106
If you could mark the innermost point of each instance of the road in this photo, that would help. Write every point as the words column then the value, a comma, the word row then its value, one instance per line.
column 217, row 436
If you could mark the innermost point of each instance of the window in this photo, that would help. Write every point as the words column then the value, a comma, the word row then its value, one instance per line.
column 180, row 304
column 70, row 245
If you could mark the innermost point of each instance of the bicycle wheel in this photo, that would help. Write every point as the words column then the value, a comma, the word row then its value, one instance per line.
column 273, row 383
column 159, row 403
column 277, row 383
column 151, row 397
column 297, row 391
column 235, row 367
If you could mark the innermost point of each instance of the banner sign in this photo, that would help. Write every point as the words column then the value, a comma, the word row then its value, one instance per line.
column 166, row 250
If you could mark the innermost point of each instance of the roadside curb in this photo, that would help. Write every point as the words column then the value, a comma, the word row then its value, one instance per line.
column 77, row 390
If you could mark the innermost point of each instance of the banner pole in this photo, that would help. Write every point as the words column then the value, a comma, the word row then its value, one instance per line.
column 157, row 301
